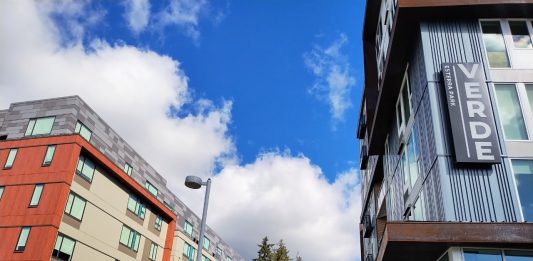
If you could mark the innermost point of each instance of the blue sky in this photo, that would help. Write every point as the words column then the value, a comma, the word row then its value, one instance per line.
column 260, row 96
column 252, row 53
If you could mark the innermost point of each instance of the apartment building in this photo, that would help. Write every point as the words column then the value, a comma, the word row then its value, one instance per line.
column 446, row 130
column 72, row 189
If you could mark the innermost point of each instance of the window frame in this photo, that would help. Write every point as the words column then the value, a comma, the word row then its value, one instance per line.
column 63, row 237
column 158, row 224
column 529, row 27
column 128, row 169
column 208, row 243
column 80, row 172
column 153, row 255
column 524, row 109
column 185, row 228
column 36, row 204
column 517, row 194
column 2, row 190
column 48, row 163
column 147, row 185
column 507, row 51
column 27, row 236
column 78, row 129
column 74, row 195
column 140, row 207
column 8, row 157
column 403, row 125
column 135, row 246
column 35, row 123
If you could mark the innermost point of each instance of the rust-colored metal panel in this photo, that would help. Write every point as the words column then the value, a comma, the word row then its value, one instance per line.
column 167, row 251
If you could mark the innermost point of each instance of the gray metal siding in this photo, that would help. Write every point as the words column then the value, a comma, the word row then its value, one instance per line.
column 471, row 193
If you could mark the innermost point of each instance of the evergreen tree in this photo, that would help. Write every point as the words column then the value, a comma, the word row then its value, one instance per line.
column 265, row 251
column 282, row 253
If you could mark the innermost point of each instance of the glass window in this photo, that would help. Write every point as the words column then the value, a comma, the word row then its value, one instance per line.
column 482, row 255
column 403, row 105
column 520, row 34
column 85, row 168
column 135, row 206
column 130, row 238
column 75, row 206
column 204, row 258
column 510, row 113
column 1, row 191
column 218, row 252
column 410, row 160
column 206, row 243
column 23, row 238
column 10, row 158
column 189, row 252
column 128, row 169
column 158, row 222
column 49, row 155
column 188, row 228
column 39, row 126
column 494, row 44
column 153, row 190
column 529, row 91
column 518, row 255
column 63, row 248
column 153, row 252
column 418, row 211
column 523, row 173
column 228, row 258
column 36, row 197
column 83, row 131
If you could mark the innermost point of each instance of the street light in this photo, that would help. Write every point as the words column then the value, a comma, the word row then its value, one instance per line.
column 194, row 182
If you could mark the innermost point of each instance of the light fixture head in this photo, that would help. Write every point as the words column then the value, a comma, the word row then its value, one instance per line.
column 193, row 182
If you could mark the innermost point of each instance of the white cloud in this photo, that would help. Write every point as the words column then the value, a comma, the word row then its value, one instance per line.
column 137, row 14
column 184, row 14
column 334, row 78
column 287, row 197
column 278, row 195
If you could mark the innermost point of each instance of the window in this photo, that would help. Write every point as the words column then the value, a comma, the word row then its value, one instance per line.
column 529, row 92
column 403, row 105
column 135, row 206
column 10, row 158
column 83, row 131
column 63, row 248
column 128, row 169
column 511, row 118
column 188, row 228
column 85, row 168
column 523, row 173
column 228, row 258
column 130, row 238
column 410, row 161
column 39, row 126
column 418, row 211
column 75, row 206
column 153, row 190
column 495, row 44
column 158, row 222
column 218, row 253
column 206, row 243
column 1, row 191
column 23, row 238
column 36, row 197
column 484, row 254
column 49, row 155
column 189, row 252
column 497, row 255
column 521, row 37
column 204, row 258
column 153, row 252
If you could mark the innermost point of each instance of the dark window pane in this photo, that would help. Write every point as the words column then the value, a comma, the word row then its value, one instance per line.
column 518, row 255
column 520, row 34
column 523, row 172
column 482, row 255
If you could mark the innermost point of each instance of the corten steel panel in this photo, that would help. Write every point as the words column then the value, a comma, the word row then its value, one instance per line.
column 38, row 247
column 19, row 182
column 428, row 240
column 167, row 251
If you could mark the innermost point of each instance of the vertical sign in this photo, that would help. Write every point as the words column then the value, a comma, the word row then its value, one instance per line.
column 471, row 118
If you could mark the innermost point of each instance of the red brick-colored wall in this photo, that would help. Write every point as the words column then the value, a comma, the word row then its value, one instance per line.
column 19, row 183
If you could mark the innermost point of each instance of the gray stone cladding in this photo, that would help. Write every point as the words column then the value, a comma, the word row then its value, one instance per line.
column 69, row 110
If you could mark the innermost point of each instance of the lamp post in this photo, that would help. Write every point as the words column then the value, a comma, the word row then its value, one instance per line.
column 194, row 182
